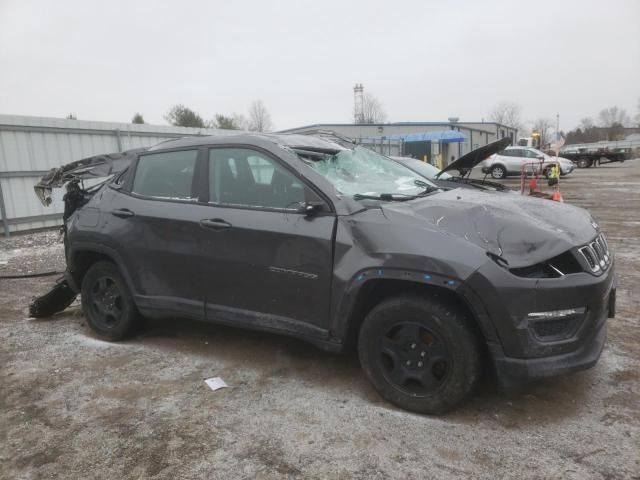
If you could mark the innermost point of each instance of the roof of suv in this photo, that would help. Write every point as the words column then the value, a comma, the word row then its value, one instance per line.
column 290, row 140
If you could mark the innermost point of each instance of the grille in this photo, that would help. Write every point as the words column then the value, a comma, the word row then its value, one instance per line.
column 597, row 254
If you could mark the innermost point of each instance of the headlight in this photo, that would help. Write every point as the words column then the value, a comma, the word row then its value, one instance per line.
column 555, row 267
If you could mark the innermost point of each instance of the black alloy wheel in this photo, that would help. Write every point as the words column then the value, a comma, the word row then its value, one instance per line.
column 414, row 358
column 107, row 304
column 420, row 352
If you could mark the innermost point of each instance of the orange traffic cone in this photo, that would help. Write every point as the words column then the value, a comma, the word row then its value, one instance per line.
column 557, row 197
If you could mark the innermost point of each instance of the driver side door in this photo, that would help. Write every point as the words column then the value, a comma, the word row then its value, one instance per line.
column 264, row 261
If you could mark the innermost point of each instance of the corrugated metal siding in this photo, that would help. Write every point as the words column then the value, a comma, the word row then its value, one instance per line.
column 476, row 134
column 32, row 145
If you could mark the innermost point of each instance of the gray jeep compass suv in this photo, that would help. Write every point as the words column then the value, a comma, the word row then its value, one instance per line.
column 337, row 245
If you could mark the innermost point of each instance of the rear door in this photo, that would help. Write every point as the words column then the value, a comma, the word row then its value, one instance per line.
column 514, row 159
column 162, row 203
column 263, row 260
column 532, row 158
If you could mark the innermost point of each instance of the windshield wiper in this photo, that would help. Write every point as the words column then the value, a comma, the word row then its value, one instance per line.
column 428, row 188
column 387, row 197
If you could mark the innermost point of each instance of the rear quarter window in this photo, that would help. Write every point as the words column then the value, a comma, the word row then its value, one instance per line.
column 166, row 175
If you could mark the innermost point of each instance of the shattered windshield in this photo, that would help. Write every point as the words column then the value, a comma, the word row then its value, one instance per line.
column 361, row 172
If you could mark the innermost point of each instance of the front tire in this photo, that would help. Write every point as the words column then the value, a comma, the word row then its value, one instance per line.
column 107, row 303
column 498, row 172
column 419, row 353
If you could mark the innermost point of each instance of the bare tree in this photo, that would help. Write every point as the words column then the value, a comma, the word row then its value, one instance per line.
column 613, row 116
column 543, row 126
column 372, row 111
column 240, row 121
column 613, row 120
column 638, row 114
column 507, row 113
column 259, row 117
column 586, row 123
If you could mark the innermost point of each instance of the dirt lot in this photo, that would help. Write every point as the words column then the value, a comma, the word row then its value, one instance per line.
column 72, row 406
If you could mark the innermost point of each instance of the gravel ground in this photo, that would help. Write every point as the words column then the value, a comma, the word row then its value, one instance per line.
column 72, row 406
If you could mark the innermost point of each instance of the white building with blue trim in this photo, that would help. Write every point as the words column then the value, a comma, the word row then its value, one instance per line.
column 438, row 141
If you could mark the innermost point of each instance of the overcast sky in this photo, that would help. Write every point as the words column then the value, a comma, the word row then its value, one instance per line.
column 424, row 60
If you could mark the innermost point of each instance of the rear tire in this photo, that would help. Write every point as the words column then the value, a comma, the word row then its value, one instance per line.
column 107, row 303
column 498, row 172
column 419, row 353
column 584, row 162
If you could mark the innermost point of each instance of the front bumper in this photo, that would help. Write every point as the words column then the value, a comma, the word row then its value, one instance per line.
column 516, row 371
column 566, row 170
column 519, row 350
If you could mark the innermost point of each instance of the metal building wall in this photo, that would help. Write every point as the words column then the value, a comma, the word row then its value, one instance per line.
column 477, row 134
column 30, row 146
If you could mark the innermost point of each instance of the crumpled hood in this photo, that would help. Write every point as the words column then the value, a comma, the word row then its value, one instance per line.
column 521, row 230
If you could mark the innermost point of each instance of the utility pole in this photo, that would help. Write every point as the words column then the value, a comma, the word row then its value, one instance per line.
column 557, row 140
column 358, row 103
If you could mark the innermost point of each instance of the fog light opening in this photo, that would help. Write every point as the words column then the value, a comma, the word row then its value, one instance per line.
column 556, row 325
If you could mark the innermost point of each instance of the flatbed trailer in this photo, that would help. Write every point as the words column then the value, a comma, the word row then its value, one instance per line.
column 586, row 155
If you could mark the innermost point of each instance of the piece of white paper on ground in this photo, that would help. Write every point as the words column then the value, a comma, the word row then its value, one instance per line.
column 215, row 383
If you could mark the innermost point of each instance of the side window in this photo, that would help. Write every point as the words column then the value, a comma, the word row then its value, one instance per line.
column 261, row 169
column 244, row 177
column 165, row 175
column 231, row 162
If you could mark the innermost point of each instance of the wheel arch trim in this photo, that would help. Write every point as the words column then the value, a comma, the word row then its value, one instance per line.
column 78, row 248
column 347, row 319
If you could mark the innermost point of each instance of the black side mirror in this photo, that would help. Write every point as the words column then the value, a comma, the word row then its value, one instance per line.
column 310, row 208
column 540, row 157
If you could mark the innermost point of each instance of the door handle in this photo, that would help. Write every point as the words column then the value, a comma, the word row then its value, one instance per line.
column 215, row 224
column 122, row 213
